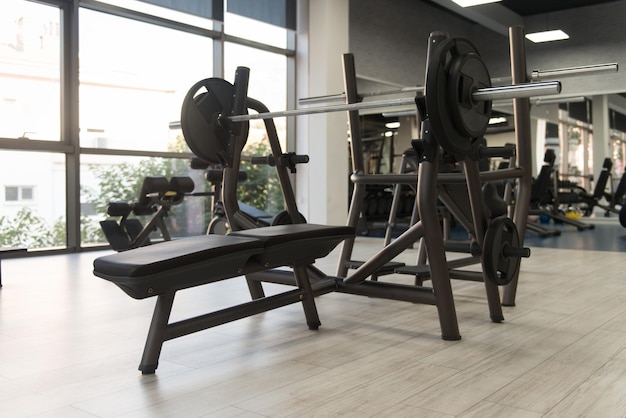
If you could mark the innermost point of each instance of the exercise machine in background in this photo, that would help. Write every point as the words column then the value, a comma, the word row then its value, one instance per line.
column 157, row 196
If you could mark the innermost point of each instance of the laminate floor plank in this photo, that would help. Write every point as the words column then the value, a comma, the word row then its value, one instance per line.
column 70, row 345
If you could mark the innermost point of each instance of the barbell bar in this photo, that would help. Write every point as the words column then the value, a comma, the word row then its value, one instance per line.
column 482, row 94
column 558, row 73
column 535, row 76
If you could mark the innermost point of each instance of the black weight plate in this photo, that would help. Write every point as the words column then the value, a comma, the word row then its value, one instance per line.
column 207, row 136
column 467, row 74
column 497, row 268
column 441, row 105
column 283, row 218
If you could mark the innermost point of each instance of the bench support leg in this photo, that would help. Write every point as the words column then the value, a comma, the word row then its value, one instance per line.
column 157, row 333
column 308, row 301
column 255, row 288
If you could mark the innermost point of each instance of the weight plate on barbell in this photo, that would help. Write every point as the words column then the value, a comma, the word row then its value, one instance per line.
column 207, row 136
column 467, row 74
column 455, row 70
column 501, row 235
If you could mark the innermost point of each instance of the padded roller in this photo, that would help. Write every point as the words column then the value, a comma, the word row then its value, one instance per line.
column 118, row 209
column 152, row 184
column 181, row 184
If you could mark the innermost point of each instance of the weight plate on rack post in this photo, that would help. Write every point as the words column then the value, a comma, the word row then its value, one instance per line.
column 207, row 136
column 455, row 71
column 502, row 251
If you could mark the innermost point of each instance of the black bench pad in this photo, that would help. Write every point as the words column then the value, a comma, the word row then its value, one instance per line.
column 179, row 264
column 187, row 262
column 296, row 243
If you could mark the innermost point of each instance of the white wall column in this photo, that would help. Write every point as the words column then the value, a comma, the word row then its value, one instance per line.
column 539, row 129
column 322, row 184
column 601, row 132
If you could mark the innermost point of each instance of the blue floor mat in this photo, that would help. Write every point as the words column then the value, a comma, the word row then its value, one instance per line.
column 608, row 235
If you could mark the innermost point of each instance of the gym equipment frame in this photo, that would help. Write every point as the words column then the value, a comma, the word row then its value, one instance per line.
column 215, row 128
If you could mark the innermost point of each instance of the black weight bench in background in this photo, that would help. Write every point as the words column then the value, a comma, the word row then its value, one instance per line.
column 162, row 270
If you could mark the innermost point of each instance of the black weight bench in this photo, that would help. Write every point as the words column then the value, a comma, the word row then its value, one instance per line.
column 162, row 270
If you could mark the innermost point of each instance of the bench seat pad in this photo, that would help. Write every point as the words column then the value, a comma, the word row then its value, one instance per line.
column 296, row 243
column 179, row 264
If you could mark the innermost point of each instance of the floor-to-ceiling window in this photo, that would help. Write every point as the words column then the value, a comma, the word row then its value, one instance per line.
column 135, row 61
column 132, row 84
column 32, row 168
column 576, row 143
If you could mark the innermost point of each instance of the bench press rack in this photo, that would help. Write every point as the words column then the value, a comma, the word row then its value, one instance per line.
column 214, row 122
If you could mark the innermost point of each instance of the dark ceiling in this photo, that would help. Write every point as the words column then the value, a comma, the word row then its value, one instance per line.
column 532, row 7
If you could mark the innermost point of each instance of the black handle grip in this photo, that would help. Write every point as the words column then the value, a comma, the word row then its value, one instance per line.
column 489, row 152
column 298, row 159
column 269, row 160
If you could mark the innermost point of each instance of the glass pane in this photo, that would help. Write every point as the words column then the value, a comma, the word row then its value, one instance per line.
column 29, row 71
column 575, row 162
column 11, row 193
column 133, row 81
column 281, row 13
column 617, row 153
column 268, row 79
column 191, row 12
column 27, row 193
column 32, row 213
column 254, row 30
column 107, row 179
column 268, row 83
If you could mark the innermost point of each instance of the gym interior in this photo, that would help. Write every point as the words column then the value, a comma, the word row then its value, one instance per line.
column 312, row 208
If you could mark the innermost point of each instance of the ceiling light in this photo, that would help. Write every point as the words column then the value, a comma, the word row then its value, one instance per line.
column 547, row 36
column 470, row 3
column 392, row 125
column 497, row 120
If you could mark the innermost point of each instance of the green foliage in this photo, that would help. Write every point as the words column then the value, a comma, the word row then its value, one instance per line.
column 262, row 188
column 122, row 182
column 90, row 231
column 26, row 229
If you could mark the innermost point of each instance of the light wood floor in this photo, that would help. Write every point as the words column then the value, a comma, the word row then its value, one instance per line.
column 70, row 345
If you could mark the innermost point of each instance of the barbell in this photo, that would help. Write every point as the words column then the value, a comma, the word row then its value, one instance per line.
column 481, row 94
column 535, row 76
column 458, row 96
column 205, row 120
